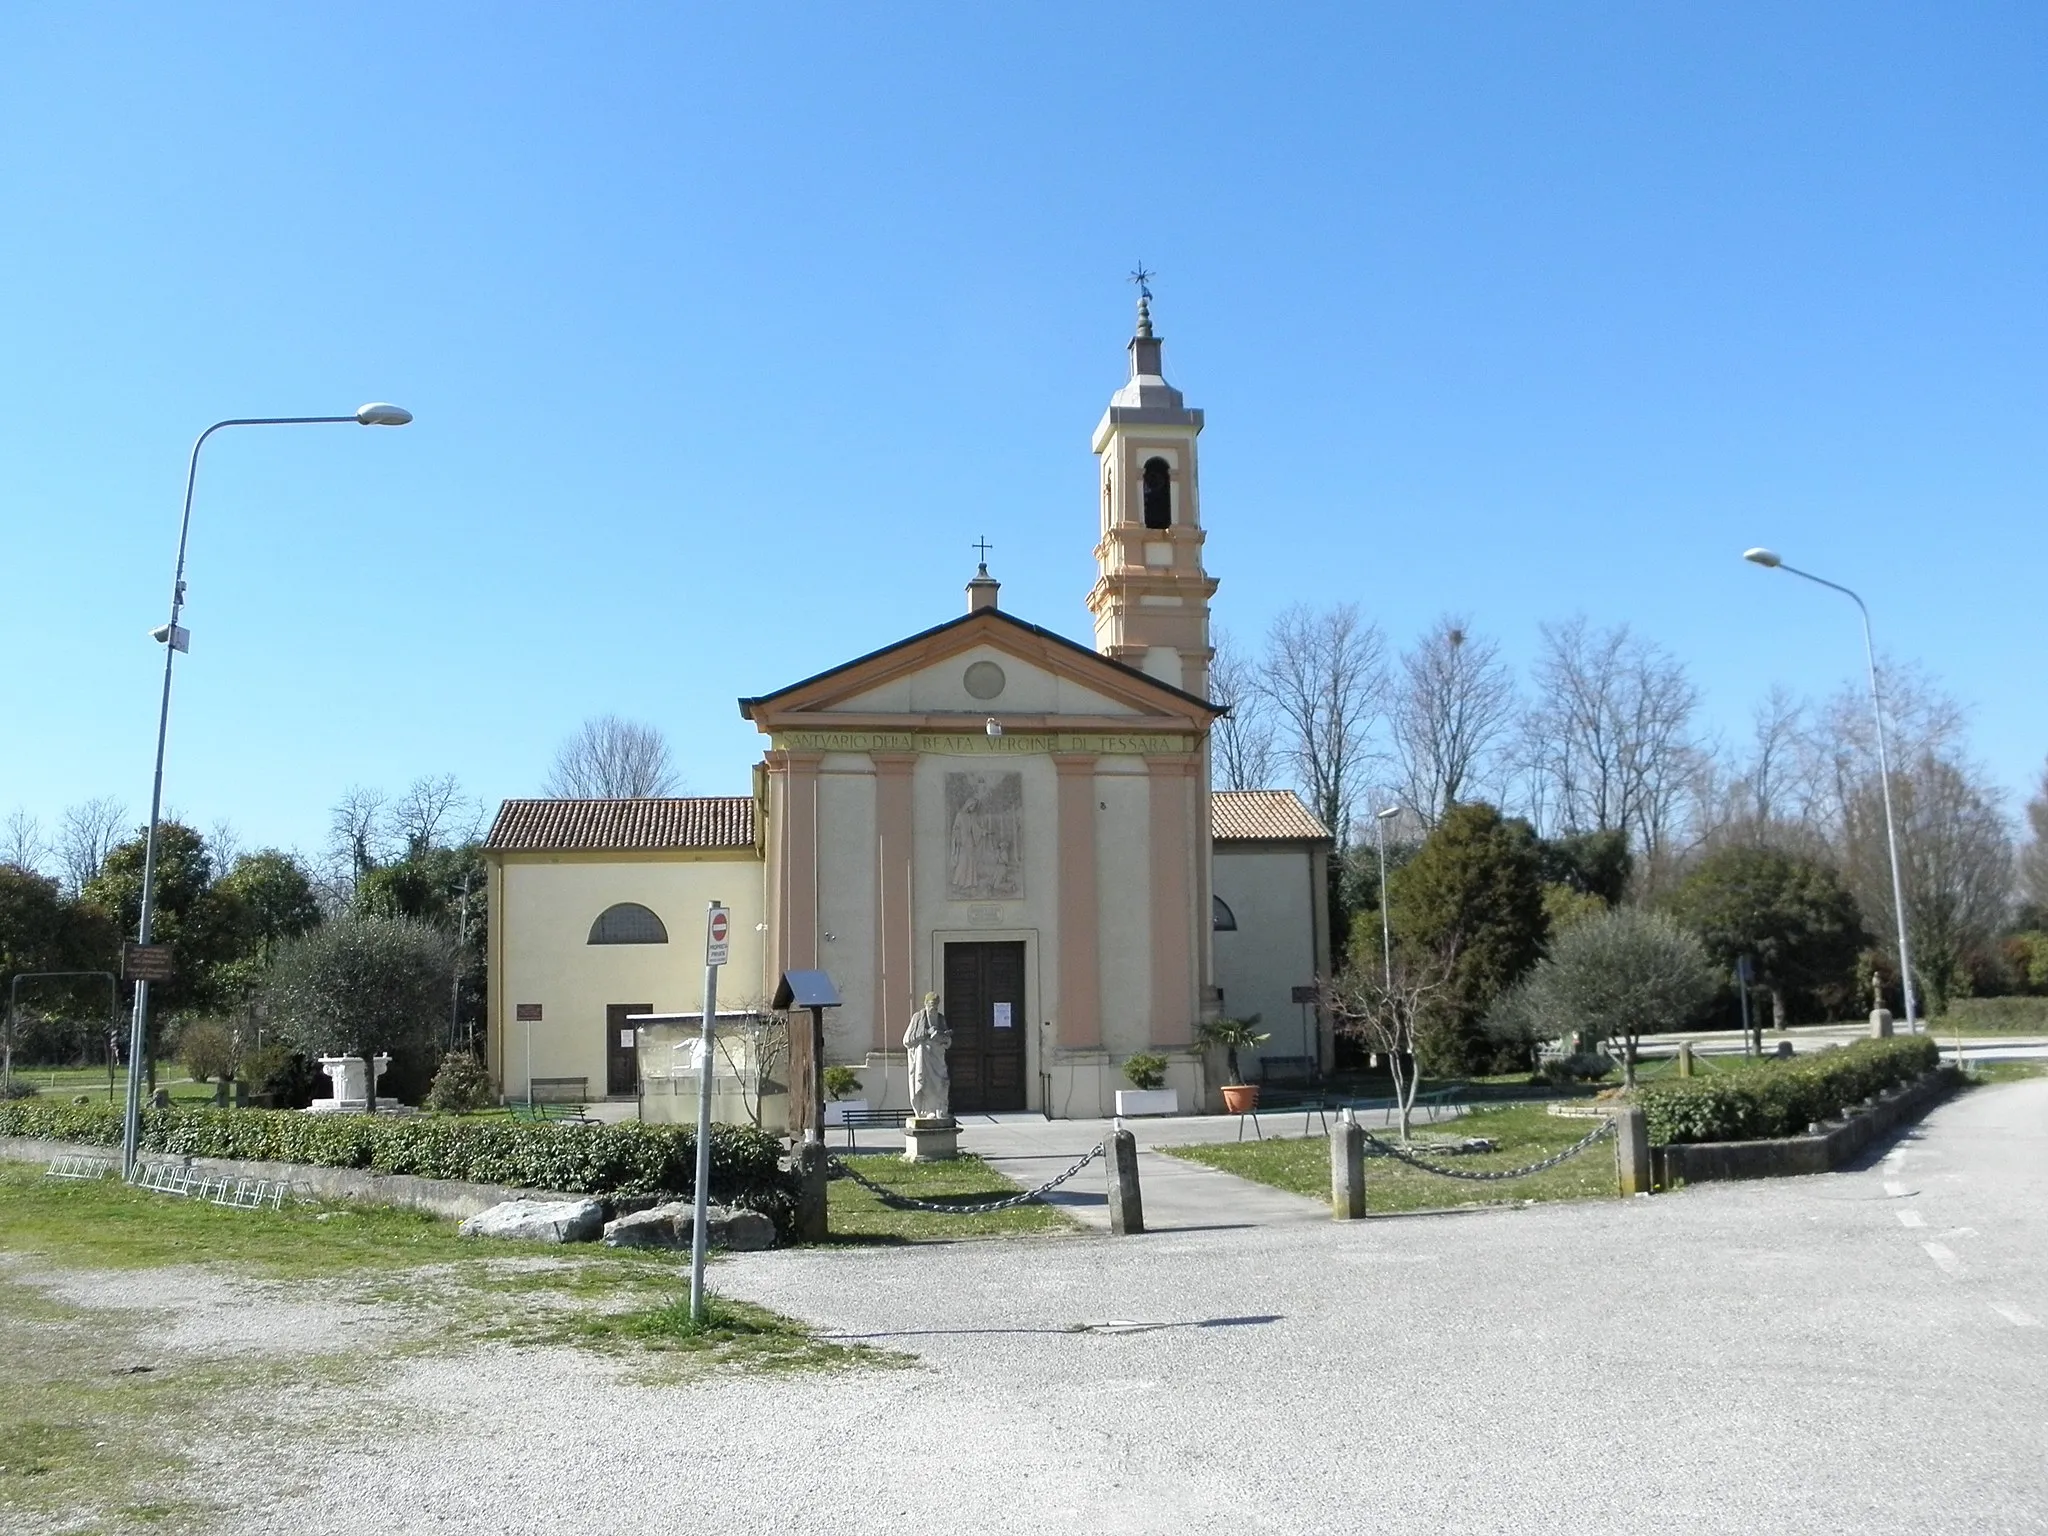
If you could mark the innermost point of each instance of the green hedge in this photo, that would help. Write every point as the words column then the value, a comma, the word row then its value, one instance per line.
column 1781, row 1098
column 625, row 1159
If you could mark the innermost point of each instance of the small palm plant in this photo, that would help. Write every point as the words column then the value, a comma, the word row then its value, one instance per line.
column 1231, row 1036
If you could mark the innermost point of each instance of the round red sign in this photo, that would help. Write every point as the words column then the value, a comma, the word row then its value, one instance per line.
column 718, row 927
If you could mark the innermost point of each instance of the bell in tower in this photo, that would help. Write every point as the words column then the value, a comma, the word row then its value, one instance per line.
column 1151, row 595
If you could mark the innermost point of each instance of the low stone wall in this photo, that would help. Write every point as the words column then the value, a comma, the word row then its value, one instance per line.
column 439, row 1197
column 1823, row 1151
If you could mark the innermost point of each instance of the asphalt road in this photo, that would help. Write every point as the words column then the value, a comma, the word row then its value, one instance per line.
column 1861, row 1352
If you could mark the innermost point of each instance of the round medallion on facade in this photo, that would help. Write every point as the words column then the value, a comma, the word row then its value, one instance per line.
column 984, row 679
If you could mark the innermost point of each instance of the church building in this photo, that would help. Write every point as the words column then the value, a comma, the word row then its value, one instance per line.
column 986, row 810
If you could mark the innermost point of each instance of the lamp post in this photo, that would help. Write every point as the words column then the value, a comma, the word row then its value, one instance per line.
column 175, row 639
column 1769, row 560
column 1379, row 832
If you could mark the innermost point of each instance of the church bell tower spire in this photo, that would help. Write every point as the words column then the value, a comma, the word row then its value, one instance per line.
column 1151, row 595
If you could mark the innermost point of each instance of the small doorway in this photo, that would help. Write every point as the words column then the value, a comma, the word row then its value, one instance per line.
column 622, row 1050
column 984, row 1007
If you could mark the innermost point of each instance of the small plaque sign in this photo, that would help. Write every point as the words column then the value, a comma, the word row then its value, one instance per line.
column 146, row 962
column 526, row 1013
column 1304, row 994
column 1003, row 1016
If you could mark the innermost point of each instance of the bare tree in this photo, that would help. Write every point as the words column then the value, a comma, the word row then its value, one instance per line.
column 612, row 759
column 1383, row 1012
column 223, row 846
column 86, row 834
column 1610, row 736
column 22, row 843
column 1324, row 675
column 1765, row 795
column 1242, row 752
column 2034, row 857
column 1453, row 707
column 1956, row 851
column 432, row 813
column 357, row 841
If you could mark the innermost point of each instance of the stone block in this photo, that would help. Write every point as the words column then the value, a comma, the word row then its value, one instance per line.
column 539, row 1221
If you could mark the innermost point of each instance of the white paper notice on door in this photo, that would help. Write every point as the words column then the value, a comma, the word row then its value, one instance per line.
column 625, row 1037
column 1002, row 1016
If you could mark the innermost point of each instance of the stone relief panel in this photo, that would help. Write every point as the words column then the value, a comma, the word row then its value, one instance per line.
column 984, row 836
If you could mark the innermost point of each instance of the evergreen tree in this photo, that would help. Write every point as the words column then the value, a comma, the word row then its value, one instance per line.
column 1469, row 905
column 1791, row 913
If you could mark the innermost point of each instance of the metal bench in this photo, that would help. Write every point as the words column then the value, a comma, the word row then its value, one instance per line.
column 852, row 1120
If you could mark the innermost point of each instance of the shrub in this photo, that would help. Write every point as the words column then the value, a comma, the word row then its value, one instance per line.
column 1145, row 1070
column 206, row 1049
column 16, row 1088
column 280, row 1076
column 461, row 1085
column 1781, row 1098
column 1582, row 1067
column 628, row 1159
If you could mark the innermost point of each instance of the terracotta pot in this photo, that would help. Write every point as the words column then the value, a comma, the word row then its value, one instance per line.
column 1240, row 1098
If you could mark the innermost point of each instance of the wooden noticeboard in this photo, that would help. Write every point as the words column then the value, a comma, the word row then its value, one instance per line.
column 146, row 962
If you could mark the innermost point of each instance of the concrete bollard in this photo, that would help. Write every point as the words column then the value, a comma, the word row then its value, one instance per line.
column 1126, row 1204
column 1347, row 1168
column 809, row 1162
column 1632, row 1151
column 1685, row 1059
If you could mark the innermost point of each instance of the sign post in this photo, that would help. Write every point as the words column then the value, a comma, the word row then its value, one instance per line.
column 717, row 932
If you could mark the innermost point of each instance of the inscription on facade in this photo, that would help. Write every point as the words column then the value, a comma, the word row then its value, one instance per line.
column 985, row 836
column 979, row 745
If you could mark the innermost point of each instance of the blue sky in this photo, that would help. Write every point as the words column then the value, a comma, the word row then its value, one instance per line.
column 728, row 329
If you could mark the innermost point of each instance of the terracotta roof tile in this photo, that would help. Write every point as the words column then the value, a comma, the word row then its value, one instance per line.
column 572, row 826
column 1262, row 815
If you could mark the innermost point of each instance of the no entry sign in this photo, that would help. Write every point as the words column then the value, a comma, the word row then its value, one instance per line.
column 717, row 935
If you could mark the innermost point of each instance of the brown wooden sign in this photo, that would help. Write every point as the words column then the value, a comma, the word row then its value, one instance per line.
column 526, row 1013
column 1305, row 994
column 146, row 962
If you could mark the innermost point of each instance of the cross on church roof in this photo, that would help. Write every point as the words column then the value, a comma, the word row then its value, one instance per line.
column 984, row 546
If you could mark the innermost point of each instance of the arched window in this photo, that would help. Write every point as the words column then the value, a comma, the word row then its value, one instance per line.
column 1223, row 920
column 627, row 923
column 1158, row 494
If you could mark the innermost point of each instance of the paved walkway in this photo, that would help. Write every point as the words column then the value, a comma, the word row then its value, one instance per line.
column 1178, row 1195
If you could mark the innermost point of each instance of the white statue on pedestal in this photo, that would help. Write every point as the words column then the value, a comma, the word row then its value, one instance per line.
column 925, row 1043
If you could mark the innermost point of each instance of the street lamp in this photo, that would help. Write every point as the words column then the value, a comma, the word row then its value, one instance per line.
column 1769, row 560
column 174, row 639
column 1379, row 832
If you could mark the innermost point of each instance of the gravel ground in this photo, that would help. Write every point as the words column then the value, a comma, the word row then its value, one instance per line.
column 1856, row 1352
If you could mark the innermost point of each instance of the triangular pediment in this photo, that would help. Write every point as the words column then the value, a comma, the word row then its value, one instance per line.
column 948, row 673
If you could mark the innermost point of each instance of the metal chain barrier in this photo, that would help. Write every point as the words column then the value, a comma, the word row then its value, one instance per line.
column 1491, row 1176
column 906, row 1203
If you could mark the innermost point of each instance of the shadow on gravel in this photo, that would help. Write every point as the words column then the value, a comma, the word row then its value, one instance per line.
column 1065, row 1328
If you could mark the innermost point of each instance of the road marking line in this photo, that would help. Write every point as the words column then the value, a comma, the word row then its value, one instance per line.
column 1944, row 1258
column 1910, row 1218
column 1894, row 1188
column 2015, row 1316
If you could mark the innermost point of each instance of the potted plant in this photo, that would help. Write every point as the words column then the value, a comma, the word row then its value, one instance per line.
column 841, row 1083
column 1147, row 1094
column 1231, row 1036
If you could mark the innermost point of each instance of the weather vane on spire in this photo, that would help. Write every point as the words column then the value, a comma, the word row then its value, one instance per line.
column 1143, row 279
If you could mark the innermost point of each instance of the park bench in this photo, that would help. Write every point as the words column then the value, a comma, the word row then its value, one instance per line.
column 555, row 1098
column 871, row 1120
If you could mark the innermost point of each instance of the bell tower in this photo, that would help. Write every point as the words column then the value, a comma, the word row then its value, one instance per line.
column 1151, row 595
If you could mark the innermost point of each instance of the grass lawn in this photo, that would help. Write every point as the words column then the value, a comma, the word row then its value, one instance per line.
column 65, row 1083
column 1520, row 1133
column 859, row 1217
column 2006, row 1071
column 96, row 1405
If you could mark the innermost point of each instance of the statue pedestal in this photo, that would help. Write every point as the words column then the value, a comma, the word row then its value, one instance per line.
column 1880, row 1024
column 930, row 1141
